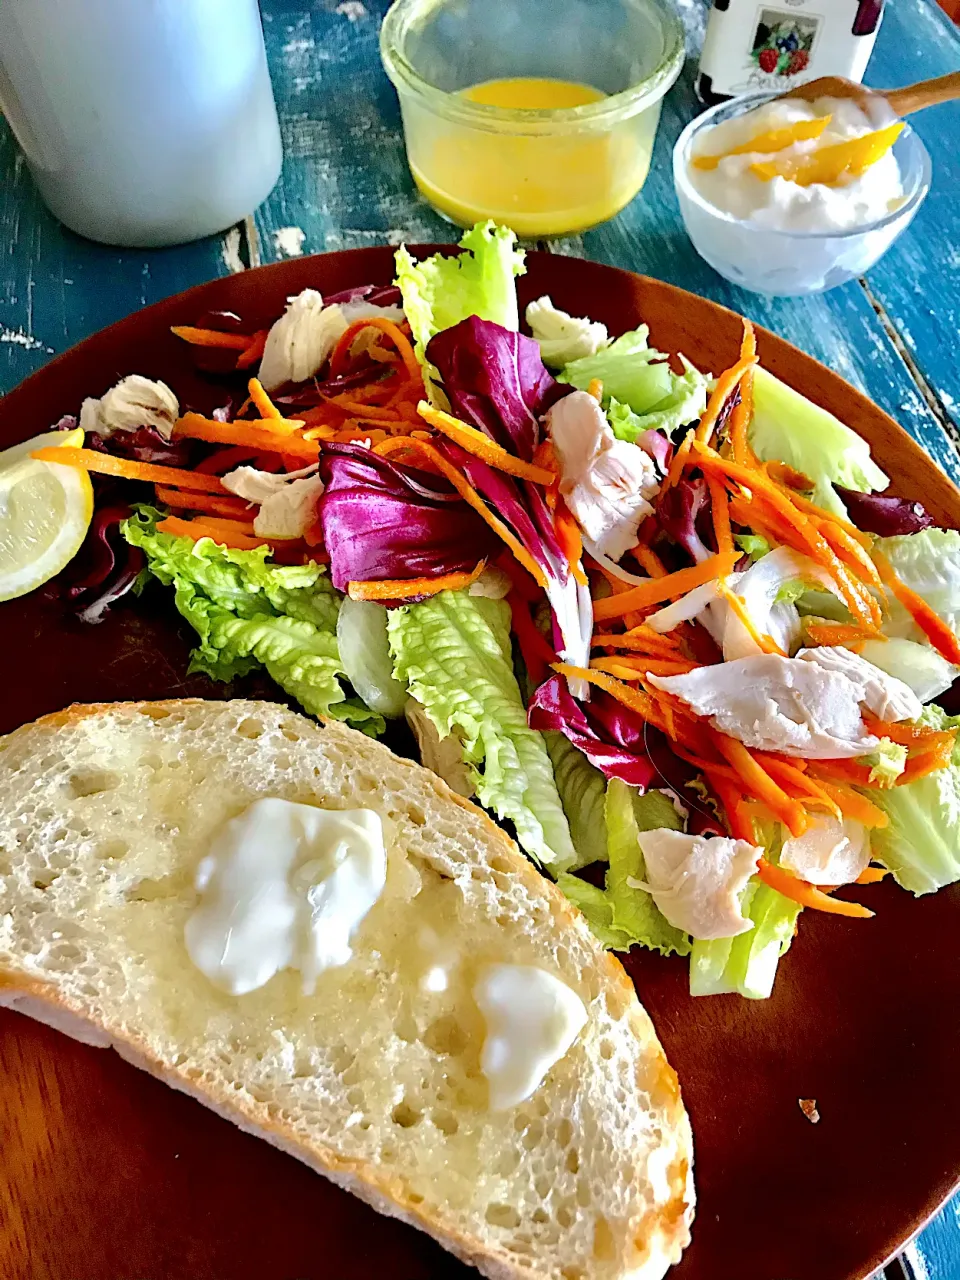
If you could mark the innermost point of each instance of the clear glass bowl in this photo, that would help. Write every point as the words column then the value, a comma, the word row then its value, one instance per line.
column 544, row 172
column 791, row 263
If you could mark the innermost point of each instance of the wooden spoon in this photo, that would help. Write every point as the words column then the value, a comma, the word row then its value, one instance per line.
column 913, row 97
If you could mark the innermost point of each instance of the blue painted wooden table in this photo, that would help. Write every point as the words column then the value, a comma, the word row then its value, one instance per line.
column 345, row 184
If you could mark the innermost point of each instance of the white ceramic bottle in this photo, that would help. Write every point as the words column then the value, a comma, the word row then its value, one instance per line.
column 144, row 122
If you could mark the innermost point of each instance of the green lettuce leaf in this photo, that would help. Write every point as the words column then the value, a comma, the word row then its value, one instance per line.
column 248, row 613
column 921, row 844
column 917, row 665
column 441, row 291
column 633, row 374
column 753, row 545
column 454, row 652
column 597, row 908
column 582, row 790
column 886, row 763
column 928, row 563
column 684, row 403
column 746, row 964
column 787, row 427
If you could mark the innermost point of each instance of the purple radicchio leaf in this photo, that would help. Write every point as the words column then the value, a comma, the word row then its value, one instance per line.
column 608, row 734
column 681, row 513
column 384, row 520
column 883, row 515
column 146, row 444
column 495, row 379
column 656, row 444
column 378, row 295
column 105, row 568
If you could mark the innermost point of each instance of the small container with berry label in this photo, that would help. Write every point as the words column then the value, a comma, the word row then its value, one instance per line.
column 752, row 48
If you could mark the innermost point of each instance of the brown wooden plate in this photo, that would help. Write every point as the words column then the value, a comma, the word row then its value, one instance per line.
column 107, row 1175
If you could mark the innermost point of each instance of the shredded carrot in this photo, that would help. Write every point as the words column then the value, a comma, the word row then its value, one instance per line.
column 469, row 495
column 340, row 352
column 595, row 389
column 203, row 502
column 657, row 590
column 783, row 474
column 643, row 666
column 678, row 462
column 810, row 508
column 225, row 460
column 850, row 551
column 545, row 456
column 855, row 805
column 195, row 427
column 255, row 350
column 720, row 505
column 228, row 525
column 408, row 588
column 926, row 761
column 108, row 465
column 726, row 790
column 197, row 529
column 570, row 539
column 212, row 337
column 742, row 413
column 932, row 626
column 482, row 446
column 807, row 895
column 640, row 640
column 760, row 784
column 908, row 735
column 191, row 423
column 648, row 559
column 718, row 397
column 843, row 771
column 320, row 433
column 537, row 654
column 839, row 634
column 263, row 402
column 636, row 699
column 796, row 781
column 871, row 875
column 368, row 413
column 764, row 642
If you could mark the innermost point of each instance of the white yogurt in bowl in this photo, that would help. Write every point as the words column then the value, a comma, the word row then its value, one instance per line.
column 779, row 236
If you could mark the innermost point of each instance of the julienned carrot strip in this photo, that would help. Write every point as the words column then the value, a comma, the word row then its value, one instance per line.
column 535, row 650
column 469, row 495
column 648, row 559
column 203, row 502
column 932, row 626
column 407, row 588
column 192, row 423
column 926, row 761
column 369, row 413
column 787, row 477
column 871, row 875
column 106, row 464
column 197, row 529
column 738, row 821
column 742, row 413
column 642, row 666
column 320, row 433
column 810, row 508
column 482, row 446
column 718, row 397
column 807, row 895
column 847, row 772
column 657, row 590
column 225, row 460
column 228, row 525
column 760, row 784
column 212, row 337
column 636, row 699
column 678, row 461
column 263, row 402
column 570, row 540
column 838, row 634
column 545, row 456
column 193, row 426
column 255, row 350
column 854, row 804
column 720, row 506
column 641, row 640
column 595, row 389
column 791, row 778
column 909, row 735
column 765, row 643
column 392, row 331
column 850, row 551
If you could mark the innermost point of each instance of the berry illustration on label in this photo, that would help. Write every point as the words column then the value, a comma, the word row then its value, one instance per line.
column 782, row 42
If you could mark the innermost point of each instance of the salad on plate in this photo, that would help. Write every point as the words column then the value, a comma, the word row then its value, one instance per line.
column 666, row 626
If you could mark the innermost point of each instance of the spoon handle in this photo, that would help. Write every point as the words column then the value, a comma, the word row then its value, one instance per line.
column 928, row 93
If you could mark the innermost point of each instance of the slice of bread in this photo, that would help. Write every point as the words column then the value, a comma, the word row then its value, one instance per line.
column 374, row 1080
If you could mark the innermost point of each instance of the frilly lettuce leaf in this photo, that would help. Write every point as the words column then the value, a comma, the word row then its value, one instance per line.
column 248, row 613
column 887, row 761
column 441, row 291
column 746, row 964
column 684, row 403
column 921, row 843
column 787, row 427
column 454, row 653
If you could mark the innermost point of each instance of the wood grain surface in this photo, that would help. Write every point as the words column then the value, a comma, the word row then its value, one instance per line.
column 106, row 1175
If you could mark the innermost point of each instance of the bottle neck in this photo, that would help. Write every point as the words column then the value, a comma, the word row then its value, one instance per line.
column 868, row 17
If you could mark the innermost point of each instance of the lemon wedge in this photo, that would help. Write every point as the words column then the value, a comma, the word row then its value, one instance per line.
column 45, row 512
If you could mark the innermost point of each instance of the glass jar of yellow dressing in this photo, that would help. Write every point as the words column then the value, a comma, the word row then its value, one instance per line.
column 540, row 114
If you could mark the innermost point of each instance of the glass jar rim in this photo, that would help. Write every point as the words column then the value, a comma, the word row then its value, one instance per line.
column 601, row 114
column 913, row 197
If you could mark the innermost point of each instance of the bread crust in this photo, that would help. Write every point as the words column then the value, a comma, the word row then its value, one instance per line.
column 662, row 1235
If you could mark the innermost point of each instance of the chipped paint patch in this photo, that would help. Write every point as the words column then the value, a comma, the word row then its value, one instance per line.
column 288, row 241
column 352, row 10
column 19, row 338
column 230, row 251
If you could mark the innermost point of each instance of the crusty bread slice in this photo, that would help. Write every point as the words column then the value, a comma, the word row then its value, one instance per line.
column 374, row 1081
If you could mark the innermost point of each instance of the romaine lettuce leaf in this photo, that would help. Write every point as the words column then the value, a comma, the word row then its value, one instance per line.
column 918, row 665
column 746, row 964
column 928, row 563
column 248, row 613
column 921, row 844
column 597, row 909
column 582, row 789
column 787, row 427
column 454, row 652
column 441, row 291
